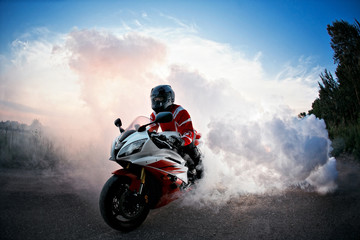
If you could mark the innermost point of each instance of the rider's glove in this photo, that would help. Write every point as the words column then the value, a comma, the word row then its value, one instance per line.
column 162, row 137
column 161, row 141
column 177, row 142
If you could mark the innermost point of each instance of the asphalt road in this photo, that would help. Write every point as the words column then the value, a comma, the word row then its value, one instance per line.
column 34, row 205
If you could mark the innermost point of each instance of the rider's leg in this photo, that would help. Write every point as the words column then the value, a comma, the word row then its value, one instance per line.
column 196, row 159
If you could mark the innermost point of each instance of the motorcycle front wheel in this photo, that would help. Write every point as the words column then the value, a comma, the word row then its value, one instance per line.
column 121, row 208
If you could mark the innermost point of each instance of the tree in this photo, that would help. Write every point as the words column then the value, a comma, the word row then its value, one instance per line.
column 339, row 100
column 345, row 41
column 326, row 106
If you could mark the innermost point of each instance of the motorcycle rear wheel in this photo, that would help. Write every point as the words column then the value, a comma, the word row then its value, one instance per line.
column 122, row 209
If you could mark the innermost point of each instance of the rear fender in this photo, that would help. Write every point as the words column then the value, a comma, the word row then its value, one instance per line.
column 134, row 181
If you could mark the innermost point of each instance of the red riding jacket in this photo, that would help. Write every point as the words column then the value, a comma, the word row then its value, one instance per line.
column 181, row 123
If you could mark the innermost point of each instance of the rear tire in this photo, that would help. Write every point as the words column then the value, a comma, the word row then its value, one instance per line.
column 120, row 208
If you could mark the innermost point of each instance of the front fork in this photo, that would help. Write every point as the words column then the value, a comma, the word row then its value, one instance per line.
column 136, row 186
column 142, row 180
column 137, row 183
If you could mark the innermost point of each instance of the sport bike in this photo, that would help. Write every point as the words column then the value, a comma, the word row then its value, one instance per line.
column 153, row 173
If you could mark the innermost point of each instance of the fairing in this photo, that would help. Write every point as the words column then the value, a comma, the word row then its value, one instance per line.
column 164, row 161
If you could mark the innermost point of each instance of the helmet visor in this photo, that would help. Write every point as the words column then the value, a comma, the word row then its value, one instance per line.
column 158, row 99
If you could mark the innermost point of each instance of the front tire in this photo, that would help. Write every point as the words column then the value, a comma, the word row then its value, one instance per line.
column 121, row 208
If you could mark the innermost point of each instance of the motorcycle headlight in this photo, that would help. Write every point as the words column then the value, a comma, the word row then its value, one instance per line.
column 132, row 148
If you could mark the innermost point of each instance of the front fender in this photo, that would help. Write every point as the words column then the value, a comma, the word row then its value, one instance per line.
column 134, row 181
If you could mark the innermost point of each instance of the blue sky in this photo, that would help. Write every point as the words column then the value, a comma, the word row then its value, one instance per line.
column 262, row 52
column 281, row 30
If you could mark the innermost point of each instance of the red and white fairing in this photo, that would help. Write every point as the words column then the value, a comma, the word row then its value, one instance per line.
column 153, row 173
column 166, row 165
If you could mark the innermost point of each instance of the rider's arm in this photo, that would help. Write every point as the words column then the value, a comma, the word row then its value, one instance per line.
column 185, row 127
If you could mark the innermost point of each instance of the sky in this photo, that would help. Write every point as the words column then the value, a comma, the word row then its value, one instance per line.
column 246, row 68
column 282, row 30
column 287, row 38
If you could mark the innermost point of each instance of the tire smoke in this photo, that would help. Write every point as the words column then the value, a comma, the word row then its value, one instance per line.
column 252, row 143
column 265, row 156
column 253, row 147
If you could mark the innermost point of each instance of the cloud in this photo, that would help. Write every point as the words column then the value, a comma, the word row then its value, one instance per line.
column 20, row 107
column 295, row 85
column 251, row 146
column 79, row 82
column 31, row 76
column 112, row 69
column 264, row 156
column 106, row 55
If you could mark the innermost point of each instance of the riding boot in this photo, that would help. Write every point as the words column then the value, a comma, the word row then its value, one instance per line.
column 195, row 162
column 199, row 170
column 192, row 174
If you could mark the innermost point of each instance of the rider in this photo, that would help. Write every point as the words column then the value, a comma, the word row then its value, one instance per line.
column 162, row 100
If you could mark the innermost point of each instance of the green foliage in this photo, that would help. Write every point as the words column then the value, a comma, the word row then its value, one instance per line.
column 339, row 100
column 345, row 41
column 327, row 105
column 346, row 138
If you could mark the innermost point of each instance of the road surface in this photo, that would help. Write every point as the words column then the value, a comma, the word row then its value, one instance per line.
column 34, row 205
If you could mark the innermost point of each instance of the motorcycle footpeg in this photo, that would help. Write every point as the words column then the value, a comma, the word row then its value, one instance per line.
column 172, row 178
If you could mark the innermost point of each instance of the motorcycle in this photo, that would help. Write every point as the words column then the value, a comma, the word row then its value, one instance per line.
column 153, row 173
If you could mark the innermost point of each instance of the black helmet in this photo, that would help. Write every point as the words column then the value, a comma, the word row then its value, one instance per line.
column 162, row 97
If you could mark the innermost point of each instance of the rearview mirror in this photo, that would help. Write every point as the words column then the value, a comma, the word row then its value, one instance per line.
column 164, row 117
column 117, row 122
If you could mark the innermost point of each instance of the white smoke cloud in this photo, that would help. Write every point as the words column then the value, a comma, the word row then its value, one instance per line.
column 114, row 82
column 253, row 147
column 110, row 67
column 81, row 81
column 77, row 85
column 265, row 156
